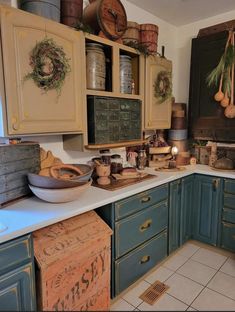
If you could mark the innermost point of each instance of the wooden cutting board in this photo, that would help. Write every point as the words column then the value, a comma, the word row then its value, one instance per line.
column 117, row 184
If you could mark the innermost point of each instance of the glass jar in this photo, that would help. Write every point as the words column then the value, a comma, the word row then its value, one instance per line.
column 141, row 160
column 116, row 163
column 125, row 74
column 95, row 66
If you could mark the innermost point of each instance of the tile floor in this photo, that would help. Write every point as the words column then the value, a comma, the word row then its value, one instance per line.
column 200, row 278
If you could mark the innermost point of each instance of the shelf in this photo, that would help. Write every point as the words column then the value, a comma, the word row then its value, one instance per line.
column 113, row 145
column 114, row 94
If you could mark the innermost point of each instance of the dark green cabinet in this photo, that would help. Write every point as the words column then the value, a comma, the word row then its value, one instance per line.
column 227, row 238
column 180, row 211
column 207, row 203
column 17, row 288
column 206, row 116
column 140, row 239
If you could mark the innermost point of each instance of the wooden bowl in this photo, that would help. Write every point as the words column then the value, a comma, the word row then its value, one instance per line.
column 62, row 195
column 51, row 183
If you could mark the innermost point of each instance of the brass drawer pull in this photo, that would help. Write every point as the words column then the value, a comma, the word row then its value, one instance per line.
column 145, row 259
column 145, row 225
column 215, row 184
column 145, row 199
column 228, row 225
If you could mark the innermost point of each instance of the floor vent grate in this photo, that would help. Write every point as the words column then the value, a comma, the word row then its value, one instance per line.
column 154, row 292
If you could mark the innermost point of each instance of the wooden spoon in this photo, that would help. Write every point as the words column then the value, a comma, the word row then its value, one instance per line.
column 230, row 109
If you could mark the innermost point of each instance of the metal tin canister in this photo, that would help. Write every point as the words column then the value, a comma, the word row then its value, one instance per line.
column 125, row 74
column 95, row 66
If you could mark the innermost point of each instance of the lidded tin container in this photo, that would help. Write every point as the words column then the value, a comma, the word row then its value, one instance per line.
column 125, row 74
column 95, row 66
column 116, row 163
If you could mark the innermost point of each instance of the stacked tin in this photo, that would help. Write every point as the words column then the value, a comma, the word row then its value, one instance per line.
column 178, row 134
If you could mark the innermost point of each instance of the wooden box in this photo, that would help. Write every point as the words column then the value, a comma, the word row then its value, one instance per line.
column 16, row 160
column 113, row 120
column 73, row 264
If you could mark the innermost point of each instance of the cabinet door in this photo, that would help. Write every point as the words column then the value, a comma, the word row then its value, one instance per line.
column 17, row 290
column 157, row 113
column 206, row 116
column 186, row 209
column 29, row 109
column 174, row 215
column 207, row 204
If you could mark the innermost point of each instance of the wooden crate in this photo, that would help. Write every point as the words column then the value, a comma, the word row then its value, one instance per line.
column 73, row 264
column 16, row 160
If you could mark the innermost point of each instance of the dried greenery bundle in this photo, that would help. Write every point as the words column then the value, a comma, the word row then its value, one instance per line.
column 50, row 65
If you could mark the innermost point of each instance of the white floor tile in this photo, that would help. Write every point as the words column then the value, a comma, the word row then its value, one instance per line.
column 175, row 262
column 210, row 300
column 224, row 284
column 183, row 288
column 191, row 309
column 210, row 258
column 121, row 305
column 161, row 274
column 229, row 267
column 196, row 271
column 132, row 296
column 165, row 303
column 188, row 250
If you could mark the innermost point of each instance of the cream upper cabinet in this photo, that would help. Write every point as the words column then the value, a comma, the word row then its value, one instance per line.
column 158, row 99
column 26, row 108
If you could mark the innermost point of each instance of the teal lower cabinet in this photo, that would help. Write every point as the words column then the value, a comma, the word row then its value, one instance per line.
column 180, row 212
column 17, row 284
column 207, row 205
column 139, row 240
column 227, row 237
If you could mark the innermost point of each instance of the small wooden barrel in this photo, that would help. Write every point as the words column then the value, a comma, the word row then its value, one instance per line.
column 107, row 16
column 178, row 134
column 132, row 34
column 182, row 161
column 149, row 37
column 71, row 12
column 178, row 123
column 181, row 145
column 46, row 8
column 178, row 113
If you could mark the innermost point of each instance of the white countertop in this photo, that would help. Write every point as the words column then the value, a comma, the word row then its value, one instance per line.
column 30, row 214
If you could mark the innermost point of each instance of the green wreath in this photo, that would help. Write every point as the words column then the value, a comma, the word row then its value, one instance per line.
column 50, row 65
column 163, row 86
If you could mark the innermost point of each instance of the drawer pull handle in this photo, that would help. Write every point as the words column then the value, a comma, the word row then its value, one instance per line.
column 145, row 225
column 228, row 225
column 145, row 199
column 145, row 259
column 215, row 184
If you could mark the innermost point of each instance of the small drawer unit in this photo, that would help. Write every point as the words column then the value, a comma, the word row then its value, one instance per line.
column 113, row 120
column 140, row 239
column 227, row 237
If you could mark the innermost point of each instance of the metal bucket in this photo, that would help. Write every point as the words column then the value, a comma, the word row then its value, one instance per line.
column 125, row 74
column 46, row 8
column 95, row 66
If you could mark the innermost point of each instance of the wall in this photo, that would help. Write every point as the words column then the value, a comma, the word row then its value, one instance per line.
column 183, row 50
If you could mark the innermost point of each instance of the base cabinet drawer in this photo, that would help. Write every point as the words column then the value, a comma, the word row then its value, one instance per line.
column 140, row 227
column 228, row 236
column 229, row 186
column 135, row 264
column 229, row 215
column 229, row 200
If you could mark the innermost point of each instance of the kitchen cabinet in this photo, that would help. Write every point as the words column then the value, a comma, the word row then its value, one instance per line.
column 180, row 212
column 25, row 108
column 139, row 241
column 227, row 238
column 207, row 201
column 157, row 113
column 206, row 116
column 17, row 285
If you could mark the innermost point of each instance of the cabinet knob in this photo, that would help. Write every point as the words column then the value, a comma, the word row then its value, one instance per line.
column 14, row 123
column 145, row 259
column 145, row 225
